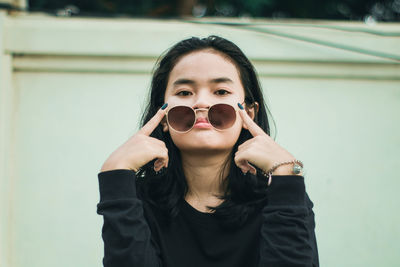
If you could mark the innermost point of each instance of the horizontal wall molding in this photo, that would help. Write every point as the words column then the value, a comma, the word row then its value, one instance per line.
column 39, row 34
column 44, row 43
column 265, row 68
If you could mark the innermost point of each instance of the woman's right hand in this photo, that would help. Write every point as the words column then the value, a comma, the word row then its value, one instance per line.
column 140, row 149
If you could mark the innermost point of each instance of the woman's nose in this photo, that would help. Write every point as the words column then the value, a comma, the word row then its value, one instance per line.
column 201, row 107
column 204, row 98
column 202, row 103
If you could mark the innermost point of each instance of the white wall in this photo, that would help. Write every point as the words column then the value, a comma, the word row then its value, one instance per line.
column 72, row 90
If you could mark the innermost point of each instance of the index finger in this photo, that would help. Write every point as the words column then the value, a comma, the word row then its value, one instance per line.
column 254, row 129
column 149, row 127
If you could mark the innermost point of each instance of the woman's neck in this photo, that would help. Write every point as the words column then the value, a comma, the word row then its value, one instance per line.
column 203, row 176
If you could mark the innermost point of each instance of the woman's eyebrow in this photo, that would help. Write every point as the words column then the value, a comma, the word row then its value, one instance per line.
column 183, row 81
column 192, row 82
column 221, row 80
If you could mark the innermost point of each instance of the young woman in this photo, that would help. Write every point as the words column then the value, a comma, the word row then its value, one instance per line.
column 202, row 183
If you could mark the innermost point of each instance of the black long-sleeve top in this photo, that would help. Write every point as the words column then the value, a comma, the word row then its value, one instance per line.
column 136, row 234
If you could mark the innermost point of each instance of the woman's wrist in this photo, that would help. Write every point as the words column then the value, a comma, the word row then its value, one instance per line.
column 293, row 167
column 285, row 170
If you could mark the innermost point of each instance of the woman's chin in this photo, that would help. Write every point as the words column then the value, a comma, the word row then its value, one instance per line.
column 205, row 146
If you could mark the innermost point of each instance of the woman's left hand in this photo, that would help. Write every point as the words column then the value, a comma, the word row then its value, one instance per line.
column 261, row 150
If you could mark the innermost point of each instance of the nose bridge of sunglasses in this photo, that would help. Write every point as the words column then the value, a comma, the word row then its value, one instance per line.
column 201, row 111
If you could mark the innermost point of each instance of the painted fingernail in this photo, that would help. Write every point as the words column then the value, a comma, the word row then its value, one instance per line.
column 164, row 106
column 158, row 168
column 240, row 106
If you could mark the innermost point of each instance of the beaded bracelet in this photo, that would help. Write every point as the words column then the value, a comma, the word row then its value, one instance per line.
column 297, row 168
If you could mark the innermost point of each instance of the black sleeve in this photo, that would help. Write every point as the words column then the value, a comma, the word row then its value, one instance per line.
column 287, row 231
column 126, row 234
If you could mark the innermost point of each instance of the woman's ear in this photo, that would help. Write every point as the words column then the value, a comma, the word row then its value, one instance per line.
column 164, row 124
column 251, row 110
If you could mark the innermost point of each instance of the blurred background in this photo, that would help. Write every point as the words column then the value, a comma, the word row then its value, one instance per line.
column 74, row 80
column 378, row 10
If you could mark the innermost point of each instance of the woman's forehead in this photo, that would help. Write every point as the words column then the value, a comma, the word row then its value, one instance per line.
column 204, row 65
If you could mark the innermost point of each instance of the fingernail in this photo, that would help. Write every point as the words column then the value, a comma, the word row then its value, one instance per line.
column 158, row 168
column 157, row 165
column 164, row 106
column 240, row 106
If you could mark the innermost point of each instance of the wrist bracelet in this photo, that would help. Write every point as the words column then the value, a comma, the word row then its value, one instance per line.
column 297, row 168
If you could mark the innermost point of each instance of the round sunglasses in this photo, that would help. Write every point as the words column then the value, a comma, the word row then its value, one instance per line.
column 183, row 118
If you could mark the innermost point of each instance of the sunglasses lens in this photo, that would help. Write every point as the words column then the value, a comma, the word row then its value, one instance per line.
column 181, row 118
column 222, row 116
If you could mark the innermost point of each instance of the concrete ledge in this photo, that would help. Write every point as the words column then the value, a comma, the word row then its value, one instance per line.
column 48, row 35
column 265, row 68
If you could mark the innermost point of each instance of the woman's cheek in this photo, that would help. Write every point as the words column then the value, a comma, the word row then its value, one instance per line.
column 178, row 100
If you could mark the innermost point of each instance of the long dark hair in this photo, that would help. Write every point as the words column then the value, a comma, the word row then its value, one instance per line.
column 243, row 194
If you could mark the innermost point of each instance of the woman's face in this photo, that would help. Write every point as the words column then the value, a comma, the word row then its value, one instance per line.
column 199, row 80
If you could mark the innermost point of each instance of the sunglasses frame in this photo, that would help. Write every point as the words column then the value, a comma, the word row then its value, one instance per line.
column 195, row 116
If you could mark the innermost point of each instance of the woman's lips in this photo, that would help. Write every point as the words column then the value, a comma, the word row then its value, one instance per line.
column 202, row 123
